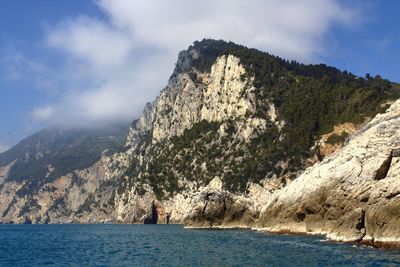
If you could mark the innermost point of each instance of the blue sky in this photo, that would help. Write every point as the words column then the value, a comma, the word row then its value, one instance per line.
column 82, row 63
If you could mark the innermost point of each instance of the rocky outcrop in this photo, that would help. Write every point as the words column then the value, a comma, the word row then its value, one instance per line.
column 191, row 97
column 226, row 144
column 353, row 195
column 212, row 206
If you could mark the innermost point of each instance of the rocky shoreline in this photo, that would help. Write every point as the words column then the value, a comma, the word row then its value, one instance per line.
column 391, row 244
column 381, row 244
column 352, row 196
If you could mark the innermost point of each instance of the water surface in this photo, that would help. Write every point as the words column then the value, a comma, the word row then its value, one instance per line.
column 171, row 245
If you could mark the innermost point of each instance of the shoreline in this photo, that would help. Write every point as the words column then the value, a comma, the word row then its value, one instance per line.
column 378, row 244
column 368, row 242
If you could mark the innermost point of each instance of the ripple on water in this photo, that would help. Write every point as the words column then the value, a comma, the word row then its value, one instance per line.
column 171, row 245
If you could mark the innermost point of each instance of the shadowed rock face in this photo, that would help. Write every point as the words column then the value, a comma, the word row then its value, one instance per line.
column 153, row 216
column 353, row 195
column 383, row 170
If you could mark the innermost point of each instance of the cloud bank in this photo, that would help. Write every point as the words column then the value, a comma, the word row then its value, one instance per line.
column 113, row 66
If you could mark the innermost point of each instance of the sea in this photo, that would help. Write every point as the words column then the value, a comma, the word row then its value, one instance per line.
column 173, row 245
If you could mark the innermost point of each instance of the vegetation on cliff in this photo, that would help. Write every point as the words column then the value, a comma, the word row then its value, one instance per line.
column 309, row 99
column 51, row 153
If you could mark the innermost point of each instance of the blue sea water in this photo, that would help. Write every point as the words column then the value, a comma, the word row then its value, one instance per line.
column 172, row 245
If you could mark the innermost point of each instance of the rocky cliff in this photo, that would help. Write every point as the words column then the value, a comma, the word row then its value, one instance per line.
column 232, row 127
column 223, row 145
column 352, row 195
column 56, row 175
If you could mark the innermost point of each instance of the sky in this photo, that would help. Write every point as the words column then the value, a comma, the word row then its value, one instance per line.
column 83, row 63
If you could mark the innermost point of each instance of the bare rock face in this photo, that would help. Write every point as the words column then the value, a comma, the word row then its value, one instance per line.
column 62, row 175
column 220, row 147
column 211, row 206
column 83, row 196
column 353, row 195
column 193, row 96
column 173, row 164
column 189, row 98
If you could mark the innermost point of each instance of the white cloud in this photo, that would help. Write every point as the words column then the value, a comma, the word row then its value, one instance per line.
column 43, row 113
column 126, row 59
column 292, row 28
column 91, row 40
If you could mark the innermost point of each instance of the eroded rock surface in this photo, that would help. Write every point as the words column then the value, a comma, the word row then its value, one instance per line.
column 223, row 145
column 353, row 195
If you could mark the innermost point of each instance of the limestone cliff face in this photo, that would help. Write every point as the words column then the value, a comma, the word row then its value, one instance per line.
column 225, row 142
column 214, row 126
column 82, row 196
column 353, row 195
column 38, row 187
column 191, row 97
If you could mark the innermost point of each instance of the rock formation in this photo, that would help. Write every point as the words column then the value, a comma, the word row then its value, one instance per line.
column 226, row 144
column 39, row 184
column 212, row 149
column 352, row 195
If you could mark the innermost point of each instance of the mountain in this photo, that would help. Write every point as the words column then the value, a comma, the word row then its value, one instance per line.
column 233, row 128
column 41, row 159
column 245, row 122
column 56, row 152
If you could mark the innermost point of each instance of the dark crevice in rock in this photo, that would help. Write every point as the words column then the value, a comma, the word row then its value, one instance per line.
column 153, row 218
column 300, row 216
column 396, row 153
column 204, row 210
column 392, row 195
column 361, row 227
column 309, row 211
column 361, row 223
column 364, row 198
column 224, row 209
column 383, row 170
column 13, row 201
